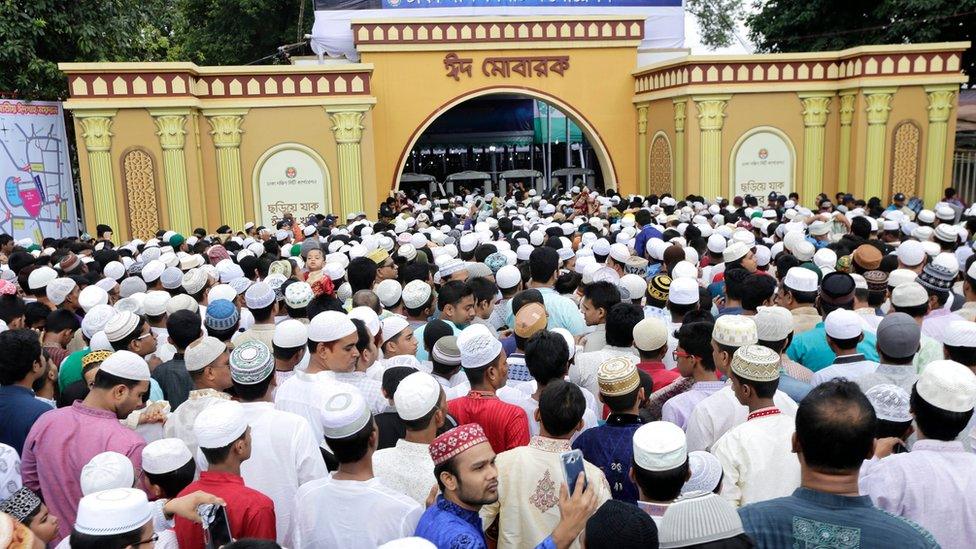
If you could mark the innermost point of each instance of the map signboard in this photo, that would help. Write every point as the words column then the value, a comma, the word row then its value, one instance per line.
column 38, row 198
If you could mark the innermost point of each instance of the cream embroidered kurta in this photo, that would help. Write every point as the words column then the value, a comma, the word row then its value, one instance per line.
column 406, row 468
column 528, row 492
column 758, row 461
column 179, row 424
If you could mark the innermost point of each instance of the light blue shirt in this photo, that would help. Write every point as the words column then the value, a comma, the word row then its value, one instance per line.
column 418, row 334
column 811, row 350
column 563, row 313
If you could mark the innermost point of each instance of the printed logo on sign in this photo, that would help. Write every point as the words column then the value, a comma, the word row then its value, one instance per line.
column 763, row 153
column 291, row 172
column 394, row 3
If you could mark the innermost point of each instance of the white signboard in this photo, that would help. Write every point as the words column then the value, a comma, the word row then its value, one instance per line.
column 290, row 178
column 763, row 161
column 38, row 199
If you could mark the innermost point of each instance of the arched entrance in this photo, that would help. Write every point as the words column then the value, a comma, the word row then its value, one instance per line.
column 593, row 138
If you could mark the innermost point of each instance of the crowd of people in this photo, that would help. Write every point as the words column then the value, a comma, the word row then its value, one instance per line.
column 732, row 373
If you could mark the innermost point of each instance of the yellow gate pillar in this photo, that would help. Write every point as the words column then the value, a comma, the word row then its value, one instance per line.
column 711, row 117
column 816, row 107
column 847, row 99
column 347, row 125
column 642, row 149
column 878, row 106
column 679, row 147
column 96, row 129
column 940, row 107
column 172, row 138
column 225, row 126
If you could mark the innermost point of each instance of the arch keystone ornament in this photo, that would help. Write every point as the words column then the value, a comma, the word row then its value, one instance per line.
column 171, row 130
column 96, row 126
column 878, row 106
column 941, row 100
column 225, row 129
column 711, row 118
column 347, row 126
column 816, row 107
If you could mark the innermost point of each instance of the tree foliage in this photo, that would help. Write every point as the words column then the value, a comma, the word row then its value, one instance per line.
column 716, row 20
column 812, row 25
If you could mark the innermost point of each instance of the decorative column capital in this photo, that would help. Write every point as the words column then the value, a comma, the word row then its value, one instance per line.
column 711, row 111
column 169, row 127
column 347, row 124
column 680, row 114
column 642, row 119
column 225, row 126
column 878, row 104
column 940, row 101
column 847, row 100
column 816, row 107
column 96, row 129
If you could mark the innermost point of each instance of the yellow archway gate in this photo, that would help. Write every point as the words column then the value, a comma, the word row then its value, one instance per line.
column 423, row 67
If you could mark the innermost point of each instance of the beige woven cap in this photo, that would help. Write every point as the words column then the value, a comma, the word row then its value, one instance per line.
column 735, row 331
column 756, row 363
column 617, row 376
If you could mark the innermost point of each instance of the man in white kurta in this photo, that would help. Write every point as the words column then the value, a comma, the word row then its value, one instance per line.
column 757, row 455
column 207, row 360
column 284, row 453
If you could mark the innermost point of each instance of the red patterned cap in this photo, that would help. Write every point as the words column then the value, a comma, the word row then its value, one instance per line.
column 456, row 441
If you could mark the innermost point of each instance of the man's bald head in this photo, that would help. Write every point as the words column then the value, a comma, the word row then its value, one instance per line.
column 835, row 427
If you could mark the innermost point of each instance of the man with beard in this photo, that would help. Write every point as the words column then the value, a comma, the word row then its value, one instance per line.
column 464, row 465
column 62, row 441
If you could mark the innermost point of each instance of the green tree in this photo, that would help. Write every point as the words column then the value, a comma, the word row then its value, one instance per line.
column 35, row 35
column 812, row 25
column 237, row 32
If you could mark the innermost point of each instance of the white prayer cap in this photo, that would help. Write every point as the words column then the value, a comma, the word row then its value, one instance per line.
column 843, row 324
column 221, row 291
column 182, row 302
column 763, row 255
column 121, row 325
column 660, row 446
column 389, row 292
column 860, row 283
column 298, row 295
column 202, row 352
column 392, row 326
column 126, row 365
column 683, row 291
column 773, row 323
column 412, row 542
column 944, row 212
column 734, row 251
column 259, row 296
column 344, row 412
column 132, row 286
column 508, row 277
column 40, row 277
column 369, row 318
column 220, row 424
column 716, row 243
column 825, row 258
column 948, row 385
column 106, row 471
column 290, row 333
column 478, row 346
column 416, row 395
column 112, row 512
column 92, row 296
column 890, row 402
column 155, row 303
column 114, row 270
column 619, row 252
column 601, row 246
column 909, row 294
column 99, row 342
column 570, row 340
column 911, row 253
column 804, row 250
column 59, row 288
column 650, row 334
column 152, row 270
column 684, row 269
column 251, row 362
column 735, row 331
column 800, row 279
column 330, row 326
column 706, row 472
column 165, row 455
column 107, row 284
column 451, row 266
column 95, row 319
column 634, row 285
column 960, row 333
column 416, row 293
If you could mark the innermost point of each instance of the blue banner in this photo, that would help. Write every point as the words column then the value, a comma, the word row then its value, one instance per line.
column 407, row 4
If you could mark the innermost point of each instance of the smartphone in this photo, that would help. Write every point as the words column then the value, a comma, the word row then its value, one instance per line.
column 216, row 527
column 572, row 467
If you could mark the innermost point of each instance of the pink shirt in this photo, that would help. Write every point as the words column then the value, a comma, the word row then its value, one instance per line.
column 60, row 443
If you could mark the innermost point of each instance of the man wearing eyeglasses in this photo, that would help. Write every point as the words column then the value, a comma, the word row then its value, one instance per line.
column 386, row 268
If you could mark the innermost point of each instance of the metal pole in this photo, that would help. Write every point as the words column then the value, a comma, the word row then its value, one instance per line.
column 547, row 183
column 569, row 152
